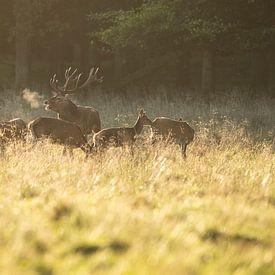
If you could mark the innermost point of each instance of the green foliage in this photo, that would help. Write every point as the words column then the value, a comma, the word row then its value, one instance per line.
column 181, row 23
column 161, row 24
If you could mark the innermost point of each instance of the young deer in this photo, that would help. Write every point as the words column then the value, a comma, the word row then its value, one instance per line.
column 177, row 131
column 120, row 136
column 86, row 117
column 61, row 132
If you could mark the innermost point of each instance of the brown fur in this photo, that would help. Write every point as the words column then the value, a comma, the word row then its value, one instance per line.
column 178, row 131
column 86, row 117
column 120, row 136
column 61, row 132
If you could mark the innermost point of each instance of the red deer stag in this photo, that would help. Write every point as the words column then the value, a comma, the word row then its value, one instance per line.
column 59, row 131
column 12, row 130
column 120, row 136
column 86, row 117
column 178, row 131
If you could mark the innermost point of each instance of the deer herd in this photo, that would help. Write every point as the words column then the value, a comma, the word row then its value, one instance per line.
column 74, row 124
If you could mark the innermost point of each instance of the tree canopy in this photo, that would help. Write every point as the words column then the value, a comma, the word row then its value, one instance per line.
column 162, row 25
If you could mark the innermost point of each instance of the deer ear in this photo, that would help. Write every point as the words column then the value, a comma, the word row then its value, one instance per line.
column 141, row 112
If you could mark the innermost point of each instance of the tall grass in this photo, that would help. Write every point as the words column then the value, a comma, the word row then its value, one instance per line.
column 151, row 213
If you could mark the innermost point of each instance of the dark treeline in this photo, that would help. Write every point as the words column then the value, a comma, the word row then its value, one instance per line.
column 203, row 45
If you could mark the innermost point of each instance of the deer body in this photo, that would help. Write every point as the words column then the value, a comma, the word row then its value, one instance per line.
column 61, row 132
column 119, row 136
column 86, row 117
column 178, row 131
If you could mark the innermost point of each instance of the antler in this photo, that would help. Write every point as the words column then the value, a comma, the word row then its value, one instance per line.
column 68, row 78
column 53, row 84
column 92, row 78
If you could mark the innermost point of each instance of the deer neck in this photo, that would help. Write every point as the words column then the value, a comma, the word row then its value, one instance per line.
column 138, row 126
column 153, row 124
column 69, row 113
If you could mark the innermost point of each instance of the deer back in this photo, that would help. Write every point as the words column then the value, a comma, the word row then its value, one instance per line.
column 88, row 120
column 175, row 129
column 114, row 136
column 59, row 131
column 121, row 135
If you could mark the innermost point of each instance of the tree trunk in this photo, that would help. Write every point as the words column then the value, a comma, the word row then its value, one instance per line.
column 207, row 82
column 118, row 65
column 184, row 70
column 260, row 72
column 84, row 56
column 22, row 63
column 77, row 49
column 88, row 59
column 56, row 59
column 271, row 69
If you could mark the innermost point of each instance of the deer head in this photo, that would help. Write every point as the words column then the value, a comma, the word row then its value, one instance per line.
column 60, row 101
column 142, row 117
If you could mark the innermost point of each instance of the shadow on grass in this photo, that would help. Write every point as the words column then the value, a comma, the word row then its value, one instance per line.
column 61, row 210
column 216, row 236
column 118, row 246
column 88, row 249
column 43, row 269
column 271, row 201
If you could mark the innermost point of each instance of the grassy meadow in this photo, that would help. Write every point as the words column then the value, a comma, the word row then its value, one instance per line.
column 151, row 213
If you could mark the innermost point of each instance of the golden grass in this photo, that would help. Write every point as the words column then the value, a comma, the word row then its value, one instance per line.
column 151, row 213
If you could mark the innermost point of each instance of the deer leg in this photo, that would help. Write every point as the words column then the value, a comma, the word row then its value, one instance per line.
column 2, row 150
column 154, row 141
column 183, row 149
column 131, row 149
column 71, row 154
column 99, row 150
column 87, row 154
column 31, row 146
column 64, row 152
column 87, row 149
